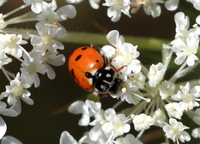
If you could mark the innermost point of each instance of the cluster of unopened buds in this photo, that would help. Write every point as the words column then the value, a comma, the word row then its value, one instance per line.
column 153, row 99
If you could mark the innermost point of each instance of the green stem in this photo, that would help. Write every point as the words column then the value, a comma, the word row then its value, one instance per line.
column 100, row 39
column 85, row 38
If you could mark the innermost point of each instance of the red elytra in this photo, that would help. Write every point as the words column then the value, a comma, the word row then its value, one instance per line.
column 82, row 61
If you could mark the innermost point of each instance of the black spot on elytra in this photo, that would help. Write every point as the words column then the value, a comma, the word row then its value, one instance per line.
column 97, row 61
column 84, row 48
column 73, row 74
column 78, row 57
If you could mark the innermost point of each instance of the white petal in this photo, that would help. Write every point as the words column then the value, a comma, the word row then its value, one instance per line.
column 109, row 114
column 57, row 61
column 185, row 136
column 74, row 1
column 3, row 127
column 196, row 133
column 108, row 51
column 95, row 133
column 9, row 112
column 50, row 73
column 10, row 140
column 171, row 4
column 66, row 138
column 76, row 107
column 182, row 21
column 198, row 19
column 67, row 11
column 112, row 37
column 94, row 3
column 179, row 59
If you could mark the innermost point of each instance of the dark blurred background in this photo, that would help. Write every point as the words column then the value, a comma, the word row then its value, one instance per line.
column 38, row 124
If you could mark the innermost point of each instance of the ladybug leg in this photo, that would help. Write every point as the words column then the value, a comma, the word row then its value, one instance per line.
column 119, row 69
column 96, row 47
column 104, row 95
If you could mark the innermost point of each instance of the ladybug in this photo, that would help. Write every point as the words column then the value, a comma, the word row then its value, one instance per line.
column 92, row 72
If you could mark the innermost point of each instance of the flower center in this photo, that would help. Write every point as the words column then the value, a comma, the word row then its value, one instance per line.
column 38, row 1
column 118, row 4
column 17, row 91
column 12, row 43
column 176, row 131
column 47, row 40
column 187, row 98
column 127, row 57
column 188, row 51
column 124, row 90
column 32, row 69
column 117, row 127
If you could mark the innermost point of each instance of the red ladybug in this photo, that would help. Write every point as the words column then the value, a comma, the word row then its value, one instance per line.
column 92, row 73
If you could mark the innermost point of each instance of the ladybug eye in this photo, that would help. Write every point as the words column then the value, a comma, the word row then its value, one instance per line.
column 88, row 75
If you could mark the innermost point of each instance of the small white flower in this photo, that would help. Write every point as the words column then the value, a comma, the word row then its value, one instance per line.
column 155, row 74
column 11, row 44
column 49, row 17
column 186, row 43
column 127, row 56
column 188, row 97
column 17, row 88
column 166, row 89
column 173, row 109
column 123, row 54
column 130, row 88
column 79, row 107
column 128, row 139
column 115, row 124
column 127, row 93
column 175, row 131
column 150, row 7
column 31, row 66
column 186, row 51
column 142, row 122
column 116, row 7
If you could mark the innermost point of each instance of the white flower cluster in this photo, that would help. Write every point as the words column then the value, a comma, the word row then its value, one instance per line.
column 33, row 61
column 155, row 100
column 127, row 7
